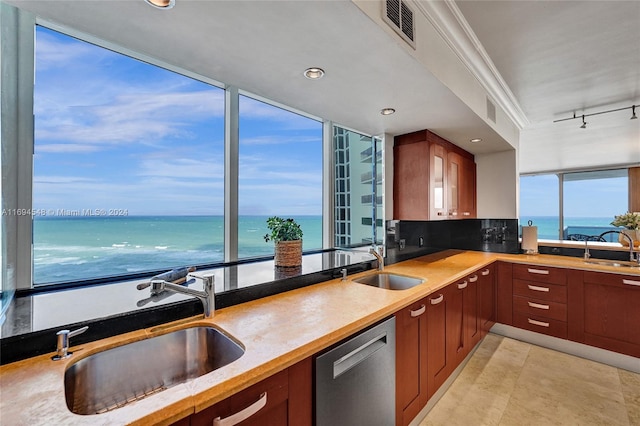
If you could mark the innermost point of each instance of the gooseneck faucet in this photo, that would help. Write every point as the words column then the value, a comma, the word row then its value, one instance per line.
column 207, row 297
column 376, row 252
column 632, row 256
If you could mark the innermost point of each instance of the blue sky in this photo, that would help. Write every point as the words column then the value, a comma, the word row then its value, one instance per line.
column 116, row 133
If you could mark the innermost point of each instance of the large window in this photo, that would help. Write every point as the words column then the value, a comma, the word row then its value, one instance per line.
column 128, row 164
column 280, row 174
column 128, row 173
column 588, row 203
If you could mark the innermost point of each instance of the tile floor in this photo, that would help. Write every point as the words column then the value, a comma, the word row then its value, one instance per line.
column 508, row 382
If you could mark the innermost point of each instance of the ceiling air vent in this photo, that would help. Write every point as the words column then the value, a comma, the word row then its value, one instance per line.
column 491, row 110
column 399, row 16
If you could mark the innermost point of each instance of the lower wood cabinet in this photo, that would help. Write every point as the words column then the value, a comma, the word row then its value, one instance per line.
column 411, row 361
column 487, row 299
column 282, row 399
column 438, row 359
column 610, row 312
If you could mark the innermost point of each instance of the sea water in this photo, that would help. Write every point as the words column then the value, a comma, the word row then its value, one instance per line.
column 75, row 248
column 548, row 226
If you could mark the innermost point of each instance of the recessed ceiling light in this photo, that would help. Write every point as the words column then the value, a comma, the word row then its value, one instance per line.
column 162, row 4
column 387, row 111
column 475, row 140
column 314, row 73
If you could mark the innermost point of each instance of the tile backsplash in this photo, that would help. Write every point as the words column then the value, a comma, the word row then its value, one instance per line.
column 407, row 238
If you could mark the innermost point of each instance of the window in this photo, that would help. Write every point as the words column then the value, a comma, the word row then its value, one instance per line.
column 589, row 202
column 280, row 163
column 128, row 164
column 128, row 172
column 356, row 189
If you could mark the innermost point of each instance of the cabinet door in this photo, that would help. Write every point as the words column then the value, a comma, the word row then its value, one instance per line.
column 411, row 361
column 438, row 182
column 611, row 313
column 411, row 181
column 454, row 168
column 487, row 298
column 472, row 320
column 467, row 191
column 455, row 323
column 437, row 359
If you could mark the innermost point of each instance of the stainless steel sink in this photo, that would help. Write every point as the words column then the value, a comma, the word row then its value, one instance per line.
column 389, row 281
column 623, row 263
column 112, row 378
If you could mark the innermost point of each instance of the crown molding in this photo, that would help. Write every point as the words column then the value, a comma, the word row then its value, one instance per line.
column 452, row 26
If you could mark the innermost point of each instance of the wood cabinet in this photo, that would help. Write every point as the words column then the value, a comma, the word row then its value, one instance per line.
column 487, row 299
column 439, row 359
column 282, row 399
column 540, row 299
column 609, row 314
column 411, row 361
column 433, row 178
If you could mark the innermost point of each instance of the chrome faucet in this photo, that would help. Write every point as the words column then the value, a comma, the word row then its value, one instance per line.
column 62, row 347
column 633, row 257
column 376, row 251
column 207, row 297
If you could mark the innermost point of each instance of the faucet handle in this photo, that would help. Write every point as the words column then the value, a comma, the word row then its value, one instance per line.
column 207, row 279
column 62, row 349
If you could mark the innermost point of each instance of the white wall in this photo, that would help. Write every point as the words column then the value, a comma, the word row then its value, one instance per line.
column 497, row 185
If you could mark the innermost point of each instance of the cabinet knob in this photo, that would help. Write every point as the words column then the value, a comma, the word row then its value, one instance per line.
column 418, row 312
column 462, row 285
column 473, row 279
column 485, row 272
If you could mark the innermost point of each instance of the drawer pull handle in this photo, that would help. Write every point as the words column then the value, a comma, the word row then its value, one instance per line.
column 244, row 414
column 473, row 279
column 538, row 305
column 540, row 323
column 538, row 271
column 630, row 282
column 437, row 300
column 536, row 288
column 418, row 312
column 485, row 272
column 462, row 285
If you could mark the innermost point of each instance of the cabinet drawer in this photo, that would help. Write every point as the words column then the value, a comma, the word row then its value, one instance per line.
column 269, row 396
column 540, row 291
column 542, row 308
column 542, row 274
column 540, row 324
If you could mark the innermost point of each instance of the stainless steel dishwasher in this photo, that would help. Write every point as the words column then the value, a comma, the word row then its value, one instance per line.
column 355, row 381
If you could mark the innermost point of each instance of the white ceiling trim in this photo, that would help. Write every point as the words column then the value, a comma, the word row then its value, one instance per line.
column 448, row 20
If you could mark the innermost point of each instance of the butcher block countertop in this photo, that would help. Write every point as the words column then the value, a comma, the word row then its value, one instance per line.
column 276, row 332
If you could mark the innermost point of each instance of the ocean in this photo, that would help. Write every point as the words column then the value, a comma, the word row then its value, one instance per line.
column 548, row 226
column 76, row 248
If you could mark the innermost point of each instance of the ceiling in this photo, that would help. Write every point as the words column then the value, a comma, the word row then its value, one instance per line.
column 565, row 57
column 557, row 57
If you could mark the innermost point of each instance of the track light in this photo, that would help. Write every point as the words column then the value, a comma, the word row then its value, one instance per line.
column 584, row 123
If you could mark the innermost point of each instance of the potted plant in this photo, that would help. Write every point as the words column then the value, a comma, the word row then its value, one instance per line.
column 286, row 235
column 631, row 223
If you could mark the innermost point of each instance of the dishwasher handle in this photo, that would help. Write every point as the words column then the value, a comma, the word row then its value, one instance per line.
column 356, row 356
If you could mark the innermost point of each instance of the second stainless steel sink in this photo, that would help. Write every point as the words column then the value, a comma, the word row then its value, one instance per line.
column 112, row 378
column 389, row 281
column 616, row 263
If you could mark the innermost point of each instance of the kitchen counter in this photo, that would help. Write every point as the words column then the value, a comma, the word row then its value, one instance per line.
column 276, row 331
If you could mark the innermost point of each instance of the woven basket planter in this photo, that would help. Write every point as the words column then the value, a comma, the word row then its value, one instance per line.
column 288, row 253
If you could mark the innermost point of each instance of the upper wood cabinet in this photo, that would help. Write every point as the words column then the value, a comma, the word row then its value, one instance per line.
column 433, row 178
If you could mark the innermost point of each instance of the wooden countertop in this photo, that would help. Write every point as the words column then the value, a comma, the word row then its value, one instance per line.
column 276, row 331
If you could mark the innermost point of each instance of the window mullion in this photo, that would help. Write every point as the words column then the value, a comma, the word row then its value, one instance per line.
column 231, row 170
